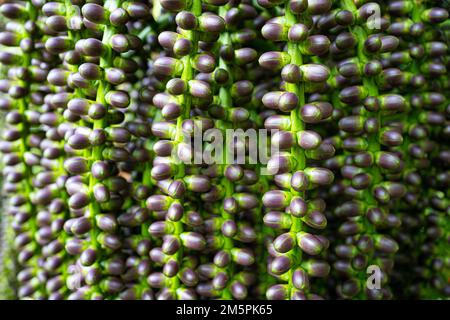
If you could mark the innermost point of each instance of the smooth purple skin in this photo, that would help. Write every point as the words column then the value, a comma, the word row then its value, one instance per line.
column 229, row 228
column 175, row 212
column 171, row 268
column 186, row 294
column 186, row 20
column 274, row 32
column 283, row 139
column 317, row 268
column 298, row 32
column 277, row 122
column 170, row 245
column 280, row 265
column 211, row 23
column 352, row 95
column 158, row 202
column 13, row 10
column 392, row 102
column 189, row 277
column 388, row 161
column 110, row 241
column 435, row 15
column 298, row 207
column 199, row 89
column 167, row 66
column 246, row 201
column 93, row 12
column 88, row 257
column 280, row 163
column 107, row 223
column 352, row 124
column 163, row 148
column 274, row 219
column 159, row 228
column 291, row 73
column 319, row 176
column 270, row 99
column 349, row 228
column 386, row 245
column 137, row 10
column 193, row 240
column 220, row 281
column 308, row 139
column 204, row 63
column 315, row 219
column 176, row 86
column 81, row 226
column 118, row 99
column 244, row 56
column 234, row 172
column 316, row 112
column 243, row 257
column 284, row 242
column 315, row 73
column 238, row 290
column 300, row 181
column 277, row 292
column 288, row 101
column 182, row 47
column 57, row 77
column 298, row 6
column 300, row 279
column 58, row 44
column 78, row 141
column 274, row 60
column 197, row 183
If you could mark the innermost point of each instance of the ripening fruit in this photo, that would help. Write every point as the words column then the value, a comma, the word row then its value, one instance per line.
column 235, row 150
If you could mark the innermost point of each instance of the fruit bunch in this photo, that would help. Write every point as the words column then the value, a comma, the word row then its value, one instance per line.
column 225, row 149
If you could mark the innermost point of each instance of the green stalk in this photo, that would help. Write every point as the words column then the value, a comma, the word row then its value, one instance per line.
column 297, row 152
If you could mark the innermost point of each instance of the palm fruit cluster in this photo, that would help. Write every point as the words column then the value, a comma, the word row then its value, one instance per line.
column 102, row 193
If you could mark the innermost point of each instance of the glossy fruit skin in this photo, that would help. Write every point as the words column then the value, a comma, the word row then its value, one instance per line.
column 103, row 193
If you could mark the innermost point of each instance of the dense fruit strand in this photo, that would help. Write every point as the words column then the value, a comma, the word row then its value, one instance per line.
column 224, row 149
